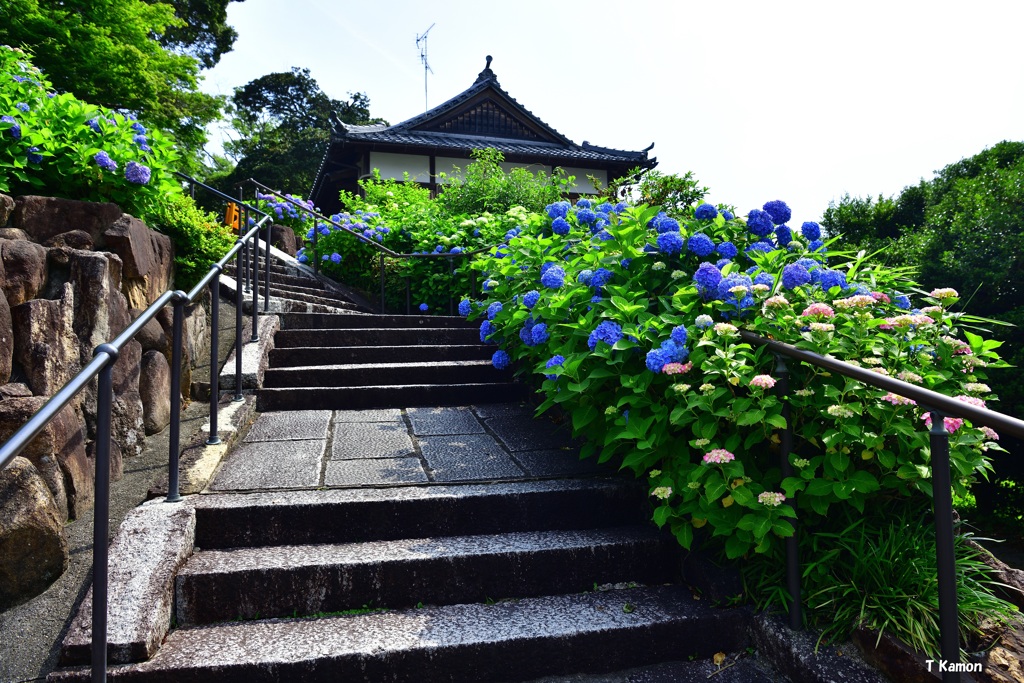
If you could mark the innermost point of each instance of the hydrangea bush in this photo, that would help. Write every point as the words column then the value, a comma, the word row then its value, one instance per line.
column 640, row 315
column 54, row 144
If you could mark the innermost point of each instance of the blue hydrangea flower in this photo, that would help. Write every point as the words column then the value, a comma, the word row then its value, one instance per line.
column 476, row 233
column 94, row 123
column 604, row 207
column 139, row 139
column 560, row 226
column 34, row 158
column 707, row 278
column 625, row 263
column 808, row 263
column 493, row 310
column 545, row 266
column 811, row 231
column 584, row 276
column 828, row 279
column 730, row 281
column 540, row 333
column 703, row 321
column 531, row 298
column 760, row 222
column 21, row 106
column 761, row 246
column 325, row 230
column 526, row 332
column 705, row 212
column 783, row 236
column 670, row 243
column 554, row 361
column 901, row 301
column 722, row 263
column 15, row 129
column 679, row 334
column 701, row 245
column 465, row 307
column 136, row 173
column 608, row 332
column 604, row 236
column 104, row 161
column 600, row 278
column 138, row 128
column 861, row 289
column 816, row 246
column 795, row 275
column 585, row 215
column 596, row 299
column 778, row 210
column 583, row 203
column 621, row 206
column 554, row 278
column 456, row 250
column 667, row 224
column 677, row 353
column 727, row 250
column 727, row 215
column 336, row 257
column 656, row 221
column 558, row 209
column 302, row 258
column 487, row 328
column 763, row 278
column 500, row 359
column 656, row 359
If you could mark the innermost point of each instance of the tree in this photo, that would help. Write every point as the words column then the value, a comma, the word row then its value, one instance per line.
column 283, row 123
column 107, row 53
column 204, row 33
column 672, row 192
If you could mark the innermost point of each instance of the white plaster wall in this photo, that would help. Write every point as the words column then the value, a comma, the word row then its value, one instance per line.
column 583, row 184
column 396, row 165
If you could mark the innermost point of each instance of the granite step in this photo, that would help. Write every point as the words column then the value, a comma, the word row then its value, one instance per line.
column 279, row 305
column 516, row 640
column 374, row 336
column 307, row 355
column 387, row 396
column 364, row 374
column 283, row 581
column 283, row 278
column 383, row 514
column 315, row 321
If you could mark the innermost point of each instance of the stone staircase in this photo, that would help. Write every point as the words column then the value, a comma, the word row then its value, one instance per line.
column 380, row 361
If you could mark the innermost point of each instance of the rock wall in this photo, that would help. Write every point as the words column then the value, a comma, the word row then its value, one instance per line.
column 73, row 275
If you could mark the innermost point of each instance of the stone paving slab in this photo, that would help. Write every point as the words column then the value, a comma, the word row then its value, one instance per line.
column 355, row 440
column 293, row 425
column 427, row 421
column 556, row 463
column 375, row 415
column 271, row 465
column 469, row 457
column 374, row 471
column 522, row 432
column 501, row 409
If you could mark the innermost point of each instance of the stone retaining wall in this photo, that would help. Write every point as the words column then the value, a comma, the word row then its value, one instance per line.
column 73, row 275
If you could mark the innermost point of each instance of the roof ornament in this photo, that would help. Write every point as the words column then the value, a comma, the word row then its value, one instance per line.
column 486, row 74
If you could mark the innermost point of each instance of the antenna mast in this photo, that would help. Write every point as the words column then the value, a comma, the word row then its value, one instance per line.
column 421, row 43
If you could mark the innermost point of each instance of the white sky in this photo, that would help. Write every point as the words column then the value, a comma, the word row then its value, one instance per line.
column 771, row 99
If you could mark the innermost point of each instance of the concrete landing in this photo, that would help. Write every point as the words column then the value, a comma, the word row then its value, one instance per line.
column 400, row 446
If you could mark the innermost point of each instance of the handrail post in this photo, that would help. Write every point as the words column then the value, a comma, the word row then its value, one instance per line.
column 101, row 513
column 266, row 269
column 408, row 296
column 792, row 545
column 255, row 288
column 238, row 330
column 942, row 498
column 180, row 297
column 382, row 283
column 244, row 270
column 214, row 353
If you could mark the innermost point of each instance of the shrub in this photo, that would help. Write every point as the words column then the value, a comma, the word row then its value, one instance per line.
column 200, row 240
column 486, row 186
column 55, row 144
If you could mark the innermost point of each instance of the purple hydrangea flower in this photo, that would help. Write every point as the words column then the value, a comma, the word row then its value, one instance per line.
column 500, row 360
column 700, row 244
column 778, row 210
column 139, row 139
column 104, row 161
column 705, row 212
column 759, row 222
column 670, row 243
column 139, row 128
column 137, row 173
column 94, row 123
column 608, row 332
column 811, row 231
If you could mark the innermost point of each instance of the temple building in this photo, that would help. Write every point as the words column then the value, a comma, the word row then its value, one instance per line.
column 442, row 138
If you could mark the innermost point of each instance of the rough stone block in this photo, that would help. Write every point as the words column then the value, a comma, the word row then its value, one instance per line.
column 6, row 340
column 24, row 270
column 45, row 344
column 290, row 425
column 266, row 465
column 72, row 239
column 33, row 549
column 6, row 208
column 152, row 337
column 44, row 217
column 147, row 256
column 155, row 391
column 353, row 441
column 14, row 390
column 154, row 540
column 373, row 415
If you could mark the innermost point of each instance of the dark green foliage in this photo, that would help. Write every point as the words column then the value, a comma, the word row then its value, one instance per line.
column 674, row 193
column 199, row 238
column 105, row 53
column 283, row 122
column 485, row 186
column 205, row 33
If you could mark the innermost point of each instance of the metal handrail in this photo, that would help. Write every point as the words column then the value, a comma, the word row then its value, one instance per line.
column 102, row 366
column 940, row 406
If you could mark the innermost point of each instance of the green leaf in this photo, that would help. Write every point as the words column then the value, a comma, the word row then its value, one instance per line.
column 661, row 515
column 750, row 417
column 763, row 526
column 735, row 547
column 776, row 421
column 714, row 488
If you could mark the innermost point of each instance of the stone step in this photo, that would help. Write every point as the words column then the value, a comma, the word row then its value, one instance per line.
column 279, row 305
column 379, row 374
column 283, row 278
column 384, row 514
column 387, row 396
column 322, row 298
column 306, row 355
column 283, row 581
column 316, row 321
column 372, row 336
column 737, row 667
column 514, row 640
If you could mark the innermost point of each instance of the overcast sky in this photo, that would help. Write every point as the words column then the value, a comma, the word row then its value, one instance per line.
column 800, row 101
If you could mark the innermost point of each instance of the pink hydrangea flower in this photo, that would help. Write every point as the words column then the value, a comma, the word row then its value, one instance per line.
column 944, row 293
column 990, row 433
column 972, row 400
column 763, row 382
column 897, row 400
column 881, row 296
column 676, row 368
column 819, row 309
column 719, row 456
column 857, row 301
column 777, row 301
column 772, row 499
column 950, row 423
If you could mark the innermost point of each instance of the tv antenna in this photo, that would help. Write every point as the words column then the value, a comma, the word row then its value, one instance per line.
column 421, row 43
